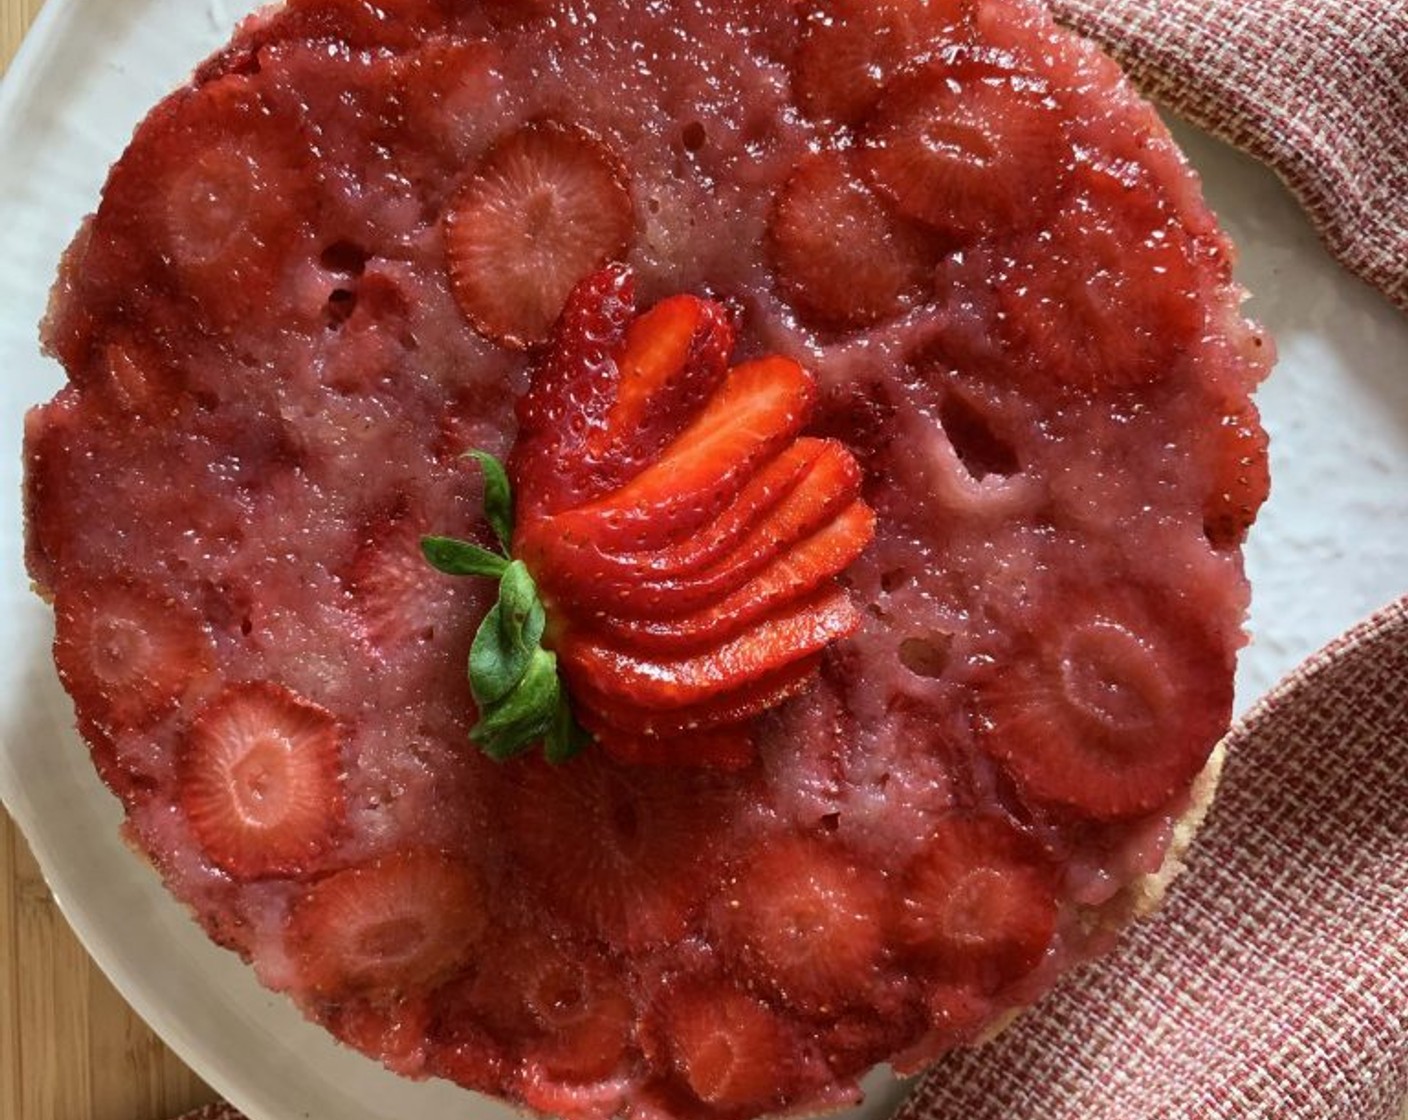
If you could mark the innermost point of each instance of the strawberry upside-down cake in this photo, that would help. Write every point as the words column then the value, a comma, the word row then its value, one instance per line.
column 834, row 658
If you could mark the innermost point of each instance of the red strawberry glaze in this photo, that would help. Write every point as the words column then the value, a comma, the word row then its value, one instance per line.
column 1006, row 300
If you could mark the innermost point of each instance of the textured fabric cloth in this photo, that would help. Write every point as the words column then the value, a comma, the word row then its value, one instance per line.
column 1318, row 89
column 1273, row 985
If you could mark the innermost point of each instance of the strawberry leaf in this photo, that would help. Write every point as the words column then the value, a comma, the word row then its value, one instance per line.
column 513, row 724
column 498, row 500
column 523, row 616
column 513, row 680
column 461, row 558
column 507, row 637
column 494, row 664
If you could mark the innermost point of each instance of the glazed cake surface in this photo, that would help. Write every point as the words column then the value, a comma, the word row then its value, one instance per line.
column 1021, row 321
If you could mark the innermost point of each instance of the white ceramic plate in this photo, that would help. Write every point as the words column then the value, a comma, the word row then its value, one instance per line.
column 1332, row 543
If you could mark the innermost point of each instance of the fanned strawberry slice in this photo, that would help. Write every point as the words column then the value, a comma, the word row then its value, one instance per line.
column 761, row 407
column 823, row 494
column 807, row 916
column 842, row 256
column 1111, row 708
column 966, row 144
column 572, row 388
column 125, row 653
column 547, row 205
column 814, row 561
column 673, row 358
column 694, row 590
column 682, row 730
column 609, row 395
column 794, row 496
column 768, row 489
column 717, row 733
column 401, row 923
column 676, row 683
column 644, row 850
column 979, row 905
column 261, row 781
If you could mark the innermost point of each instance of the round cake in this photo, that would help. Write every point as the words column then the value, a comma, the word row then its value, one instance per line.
column 875, row 401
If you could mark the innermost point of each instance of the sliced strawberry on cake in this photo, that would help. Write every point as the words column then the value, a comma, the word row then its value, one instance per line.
column 261, row 781
column 809, row 920
column 127, row 656
column 646, row 843
column 1113, row 707
column 396, row 925
column 545, row 206
column 727, row 1048
column 127, row 652
column 967, row 143
column 979, row 904
column 850, row 50
column 843, row 256
column 560, row 1005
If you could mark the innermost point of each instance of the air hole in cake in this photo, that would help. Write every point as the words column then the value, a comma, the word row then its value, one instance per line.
column 831, row 822
column 981, row 450
column 926, row 656
column 694, row 136
column 893, row 580
column 345, row 257
column 341, row 303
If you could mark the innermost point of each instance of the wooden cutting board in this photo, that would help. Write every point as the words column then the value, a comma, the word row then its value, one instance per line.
column 70, row 1047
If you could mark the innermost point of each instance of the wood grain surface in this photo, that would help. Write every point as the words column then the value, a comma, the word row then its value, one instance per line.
column 70, row 1047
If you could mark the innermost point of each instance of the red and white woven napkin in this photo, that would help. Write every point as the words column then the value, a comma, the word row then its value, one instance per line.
column 1273, row 985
